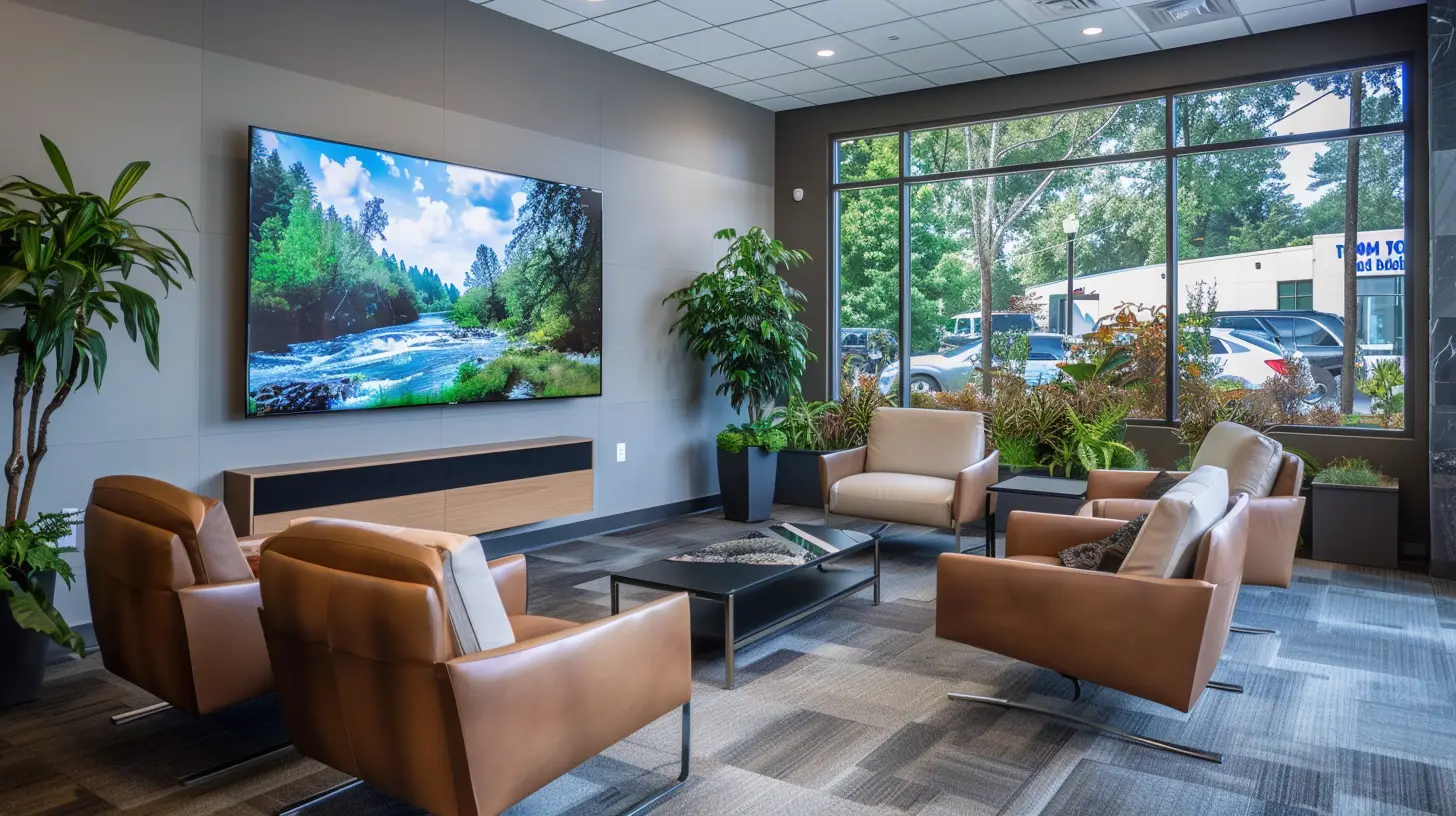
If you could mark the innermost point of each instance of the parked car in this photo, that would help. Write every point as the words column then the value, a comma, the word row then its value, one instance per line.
column 1319, row 336
column 953, row 369
column 966, row 328
column 1249, row 358
column 866, row 350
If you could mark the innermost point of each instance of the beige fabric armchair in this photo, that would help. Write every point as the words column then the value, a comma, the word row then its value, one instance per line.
column 920, row 466
column 1153, row 637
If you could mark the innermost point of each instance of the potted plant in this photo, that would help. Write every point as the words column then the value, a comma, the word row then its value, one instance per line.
column 1356, row 515
column 65, row 257
column 741, row 317
column 797, row 475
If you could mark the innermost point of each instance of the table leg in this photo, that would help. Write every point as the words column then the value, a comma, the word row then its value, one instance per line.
column 990, row 528
column 877, row 571
column 728, row 640
column 615, row 603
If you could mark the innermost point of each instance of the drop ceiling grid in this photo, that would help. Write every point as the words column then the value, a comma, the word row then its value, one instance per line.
column 768, row 52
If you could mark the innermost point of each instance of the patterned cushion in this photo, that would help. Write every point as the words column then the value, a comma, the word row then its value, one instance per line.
column 1161, row 483
column 1105, row 554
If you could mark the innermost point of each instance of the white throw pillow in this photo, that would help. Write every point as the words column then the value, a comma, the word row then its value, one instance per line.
column 1166, row 547
column 1251, row 458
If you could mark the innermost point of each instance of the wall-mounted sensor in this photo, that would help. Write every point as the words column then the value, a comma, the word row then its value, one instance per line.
column 798, row 193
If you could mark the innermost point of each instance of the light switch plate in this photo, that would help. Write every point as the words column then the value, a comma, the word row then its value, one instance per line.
column 621, row 451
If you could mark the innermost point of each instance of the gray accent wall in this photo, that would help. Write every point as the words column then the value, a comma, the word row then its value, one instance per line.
column 1442, row 32
column 177, row 82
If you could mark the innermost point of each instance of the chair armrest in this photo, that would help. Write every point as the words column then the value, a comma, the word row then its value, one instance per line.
column 1144, row 636
column 837, row 465
column 509, row 574
column 532, row 711
column 970, row 488
column 225, row 643
column 1048, row 534
column 1273, row 538
column 1121, row 509
column 1122, row 484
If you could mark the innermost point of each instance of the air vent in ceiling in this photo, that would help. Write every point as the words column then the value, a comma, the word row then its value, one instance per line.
column 1061, row 9
column 1162, row 15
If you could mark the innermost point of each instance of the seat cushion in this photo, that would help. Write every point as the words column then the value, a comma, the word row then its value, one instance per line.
column 925, row 442
column 902, row 497
column 1167, row 545
column 1251, row 458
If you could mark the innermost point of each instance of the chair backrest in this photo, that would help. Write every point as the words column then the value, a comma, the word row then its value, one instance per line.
column 356, row 623
column 1253, row 460
column 1167, row 544
column 1290, row 481
column 925, row 442
column 146, row 539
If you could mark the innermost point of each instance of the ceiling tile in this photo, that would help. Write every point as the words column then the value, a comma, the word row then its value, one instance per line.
column 706, row 75
column 1111, row 49
column 1114, row 24
column 807, row 52
column 653, row 21
column 865, row 70
column 1372, row 6
column 1200, row 33
column 794, row 3
column 782, row 103
column 1256, row 6
column 596, row 8
column 832, row 95
column 1316, row 12
column 759, row 64
column 1034, row 62
column 965, row 73
column 933, row 58
column 719, row 12
column 849, row 15
column 973, row 21
column 749, row 91
column 536, row 12
column 901, row 35
column 781, row 28
column 708, row 45
column 920, row 8
column 800, row 82
column 1013, row 43
column 896, row 85
column 655, row 56
column 595, row 34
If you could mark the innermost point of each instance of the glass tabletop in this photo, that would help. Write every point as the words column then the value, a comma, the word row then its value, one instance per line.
column 1042, row 486
column 728, row 578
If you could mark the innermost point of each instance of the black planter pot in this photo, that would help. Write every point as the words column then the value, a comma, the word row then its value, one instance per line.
column 798, row 478
column 746, row 480
column 1357, row 524
column 22, row 655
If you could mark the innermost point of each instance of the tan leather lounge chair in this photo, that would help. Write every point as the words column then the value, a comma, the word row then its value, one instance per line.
column 1154, row 629
column 174, row 602
column 372, row 631
column 920, row 466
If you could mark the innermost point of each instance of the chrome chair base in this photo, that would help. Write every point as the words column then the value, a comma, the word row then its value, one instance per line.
column 1251, row 630
column 304, row 804
column 657, row 797
column 1217, row 686
column 229, row 768
column 140, row 713
column 1171, row 747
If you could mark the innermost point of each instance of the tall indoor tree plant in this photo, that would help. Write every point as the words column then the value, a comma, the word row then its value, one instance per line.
column 65, row 259
column 741, row 317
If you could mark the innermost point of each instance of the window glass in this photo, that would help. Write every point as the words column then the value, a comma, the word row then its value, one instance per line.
column 1287, row 107
column 1217, row 346
column 1383, row 95
column 869, row 288
column 1296, row 295
column 1309, row 333
column 868, row 159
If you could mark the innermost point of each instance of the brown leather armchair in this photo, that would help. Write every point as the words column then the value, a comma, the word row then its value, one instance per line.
column 174, row 602
column 357, row 623
column 1155, row 638
column 920, row 466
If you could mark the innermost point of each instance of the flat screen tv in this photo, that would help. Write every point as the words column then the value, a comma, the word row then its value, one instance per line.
column 380, row 280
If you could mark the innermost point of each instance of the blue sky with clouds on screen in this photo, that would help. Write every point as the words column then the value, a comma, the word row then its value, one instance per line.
column 438, row 213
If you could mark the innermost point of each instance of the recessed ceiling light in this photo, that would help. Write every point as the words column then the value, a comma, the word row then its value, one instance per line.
column 825, row 53
column 1092, row 31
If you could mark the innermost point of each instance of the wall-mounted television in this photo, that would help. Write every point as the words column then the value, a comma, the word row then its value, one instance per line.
column 381, row 280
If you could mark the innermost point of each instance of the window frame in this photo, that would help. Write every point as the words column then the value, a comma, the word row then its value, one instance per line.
column 1169, row 154
column 1280, row 297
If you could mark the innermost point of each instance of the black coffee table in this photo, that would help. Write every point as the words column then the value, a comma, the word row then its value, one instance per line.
column 1052, row 487
column 743, row 603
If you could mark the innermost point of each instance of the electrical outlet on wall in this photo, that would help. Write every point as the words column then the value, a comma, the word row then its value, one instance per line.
column 621, row 451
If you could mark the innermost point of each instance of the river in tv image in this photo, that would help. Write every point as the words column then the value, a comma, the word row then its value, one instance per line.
column 380, row 280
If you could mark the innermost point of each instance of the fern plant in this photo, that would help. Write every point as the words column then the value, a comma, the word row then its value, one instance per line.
column 802, row 422
column 27, row 551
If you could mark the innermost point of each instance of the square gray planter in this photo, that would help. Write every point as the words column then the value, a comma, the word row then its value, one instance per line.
column 1356, row 524
column 798, row 478
column 746, row 480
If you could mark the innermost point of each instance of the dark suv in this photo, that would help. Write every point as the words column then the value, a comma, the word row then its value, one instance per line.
column 1318, row 335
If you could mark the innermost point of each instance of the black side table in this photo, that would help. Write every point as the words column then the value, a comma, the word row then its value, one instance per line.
column 1051, row 487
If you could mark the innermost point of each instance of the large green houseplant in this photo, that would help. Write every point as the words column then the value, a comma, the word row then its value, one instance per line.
column 66, row 257
column 741, row 317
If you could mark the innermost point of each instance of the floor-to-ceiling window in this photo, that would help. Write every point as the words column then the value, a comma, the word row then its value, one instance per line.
column 1202, row 232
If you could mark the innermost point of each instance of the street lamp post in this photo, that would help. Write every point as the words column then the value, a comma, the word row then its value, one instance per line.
column 1069, row 224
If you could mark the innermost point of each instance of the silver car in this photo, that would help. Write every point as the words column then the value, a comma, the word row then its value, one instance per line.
column 953, row 369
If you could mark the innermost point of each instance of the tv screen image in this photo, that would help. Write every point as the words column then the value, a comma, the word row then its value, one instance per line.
column 380, row 280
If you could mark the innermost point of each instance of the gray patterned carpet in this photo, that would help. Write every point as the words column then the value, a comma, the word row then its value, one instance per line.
column 1351, row 709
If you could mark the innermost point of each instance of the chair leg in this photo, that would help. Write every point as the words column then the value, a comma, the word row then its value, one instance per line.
column 958, row 537
column 1251, row 630
column 1233, row 687
column 229, row 768
column 1182, row 750
column 657, row 797
column 304, row 804
column 133, row 716
column 1076, row 687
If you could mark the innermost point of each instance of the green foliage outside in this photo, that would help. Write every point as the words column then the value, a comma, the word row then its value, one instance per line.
column 1384, row 383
